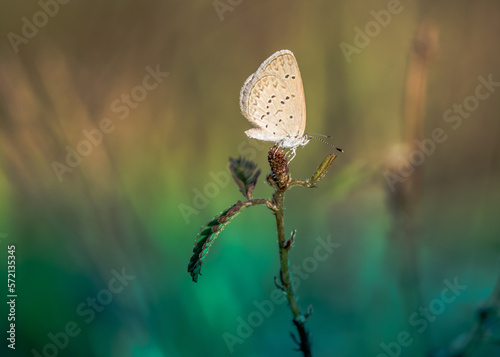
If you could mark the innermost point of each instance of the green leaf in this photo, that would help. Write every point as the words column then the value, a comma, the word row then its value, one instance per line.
column 322, row 169
column 207, row 236
column 245, row 174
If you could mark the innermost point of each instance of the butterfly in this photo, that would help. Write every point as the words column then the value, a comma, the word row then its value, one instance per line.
column 272, row 99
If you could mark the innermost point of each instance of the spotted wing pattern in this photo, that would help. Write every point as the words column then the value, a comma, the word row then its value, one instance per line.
column 272, row 99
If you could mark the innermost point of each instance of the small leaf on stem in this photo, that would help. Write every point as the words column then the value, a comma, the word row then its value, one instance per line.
column 322, row 169
column 245, row 174
column 207, row 235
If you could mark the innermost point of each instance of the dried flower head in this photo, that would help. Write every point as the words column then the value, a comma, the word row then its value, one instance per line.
column 280, row 172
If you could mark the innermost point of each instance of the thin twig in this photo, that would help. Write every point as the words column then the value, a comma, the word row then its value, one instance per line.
column 306, row 184
column 286, row 277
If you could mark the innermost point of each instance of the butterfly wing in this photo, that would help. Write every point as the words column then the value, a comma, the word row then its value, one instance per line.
column 265, row 111
column 272, row 99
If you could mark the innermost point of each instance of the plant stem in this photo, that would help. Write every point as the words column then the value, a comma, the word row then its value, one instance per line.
column 286, row 276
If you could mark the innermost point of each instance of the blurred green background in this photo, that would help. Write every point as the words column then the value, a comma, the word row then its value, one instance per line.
column 136, row 202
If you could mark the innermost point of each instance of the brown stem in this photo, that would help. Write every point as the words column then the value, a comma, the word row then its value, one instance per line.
column 260, row 201
column 286, row 276
column 306, row 184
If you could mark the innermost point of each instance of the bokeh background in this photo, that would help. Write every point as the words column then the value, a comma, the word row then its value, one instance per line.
column 136, row 202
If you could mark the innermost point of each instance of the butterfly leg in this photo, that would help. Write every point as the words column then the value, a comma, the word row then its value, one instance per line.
column 287, row 154
column 291, row 154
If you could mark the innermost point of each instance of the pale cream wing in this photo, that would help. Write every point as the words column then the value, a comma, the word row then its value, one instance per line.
column 272, row 99
column 284, row 65
column 269, row 107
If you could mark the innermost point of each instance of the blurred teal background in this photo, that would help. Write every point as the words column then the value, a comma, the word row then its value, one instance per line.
column 133, row 205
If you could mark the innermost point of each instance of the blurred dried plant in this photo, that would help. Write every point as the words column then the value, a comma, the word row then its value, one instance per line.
column 404, row 197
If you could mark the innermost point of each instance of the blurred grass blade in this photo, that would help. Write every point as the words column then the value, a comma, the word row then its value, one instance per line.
column 323, row 168
column 207, row 235
column 245, row 174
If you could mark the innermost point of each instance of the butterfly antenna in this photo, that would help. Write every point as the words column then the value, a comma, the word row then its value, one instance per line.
column 327, row 143
column 323, row 135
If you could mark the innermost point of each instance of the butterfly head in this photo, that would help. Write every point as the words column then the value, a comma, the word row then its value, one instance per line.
column 291, row 142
